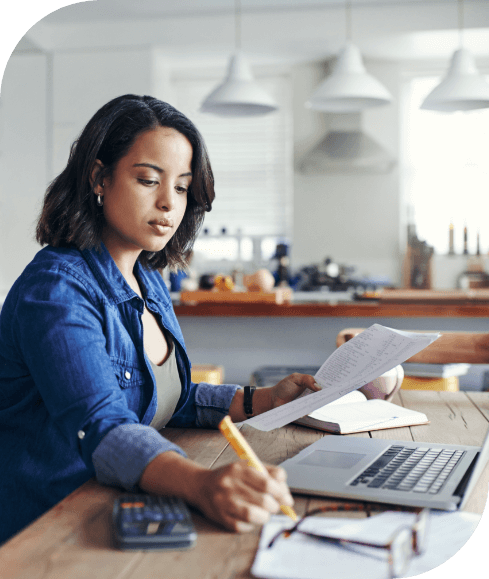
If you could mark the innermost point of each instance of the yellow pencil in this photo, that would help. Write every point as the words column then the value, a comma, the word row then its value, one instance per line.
column 244, row 451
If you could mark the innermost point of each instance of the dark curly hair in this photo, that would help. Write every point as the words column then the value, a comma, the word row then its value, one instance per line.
column 70, row 215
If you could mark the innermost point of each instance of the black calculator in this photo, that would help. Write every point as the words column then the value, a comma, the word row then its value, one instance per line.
column 148, row 522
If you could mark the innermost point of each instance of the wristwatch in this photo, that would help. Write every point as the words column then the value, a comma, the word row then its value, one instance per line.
column 248, row 400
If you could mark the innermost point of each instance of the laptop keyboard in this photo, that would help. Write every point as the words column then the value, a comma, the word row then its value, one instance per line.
column 421, row 470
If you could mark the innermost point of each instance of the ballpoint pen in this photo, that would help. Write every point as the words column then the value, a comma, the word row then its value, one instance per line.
column 244, row 451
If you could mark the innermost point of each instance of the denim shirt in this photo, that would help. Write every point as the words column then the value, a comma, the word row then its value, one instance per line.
column 77, row 393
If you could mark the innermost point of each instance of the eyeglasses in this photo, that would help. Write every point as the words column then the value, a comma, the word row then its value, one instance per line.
column 406, row 542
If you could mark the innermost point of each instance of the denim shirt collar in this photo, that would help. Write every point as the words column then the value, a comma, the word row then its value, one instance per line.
column 113, row 282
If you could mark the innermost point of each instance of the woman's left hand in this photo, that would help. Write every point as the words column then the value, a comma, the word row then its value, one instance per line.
column 271, row 397
column 290, row 388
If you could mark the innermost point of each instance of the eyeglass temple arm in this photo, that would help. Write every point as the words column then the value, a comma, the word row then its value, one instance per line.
column 338, row 540
column 366, row 507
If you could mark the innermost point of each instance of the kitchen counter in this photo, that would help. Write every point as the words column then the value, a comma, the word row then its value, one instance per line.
column 389, row 303
column 346, row 309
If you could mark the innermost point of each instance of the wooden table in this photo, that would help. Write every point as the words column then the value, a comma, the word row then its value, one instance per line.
column 73, row 539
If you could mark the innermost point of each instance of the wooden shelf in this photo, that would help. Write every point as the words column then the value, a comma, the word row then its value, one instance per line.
column 345, row 309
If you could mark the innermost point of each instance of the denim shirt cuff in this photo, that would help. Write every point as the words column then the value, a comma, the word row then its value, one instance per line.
column 123, row 454
column 212, row 403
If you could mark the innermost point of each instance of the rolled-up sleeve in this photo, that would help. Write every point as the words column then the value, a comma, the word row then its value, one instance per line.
column 124, row 453
column 212, row 403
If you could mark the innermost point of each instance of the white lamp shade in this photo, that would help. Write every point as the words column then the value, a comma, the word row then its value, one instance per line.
column 239, row 95
column 462, row 89
column 349, row 88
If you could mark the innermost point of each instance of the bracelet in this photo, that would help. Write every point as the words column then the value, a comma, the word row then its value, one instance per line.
column 248, row 400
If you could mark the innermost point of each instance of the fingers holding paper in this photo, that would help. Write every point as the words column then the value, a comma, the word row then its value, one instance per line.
column 240, row 497
column 291, row 388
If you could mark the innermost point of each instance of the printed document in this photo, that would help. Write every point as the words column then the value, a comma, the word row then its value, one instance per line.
column 357, row 362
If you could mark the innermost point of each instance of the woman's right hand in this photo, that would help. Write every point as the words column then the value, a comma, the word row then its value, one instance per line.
column 236, row 495
column 240, row 497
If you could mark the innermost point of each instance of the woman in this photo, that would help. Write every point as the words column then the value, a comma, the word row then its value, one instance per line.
column 92, row 360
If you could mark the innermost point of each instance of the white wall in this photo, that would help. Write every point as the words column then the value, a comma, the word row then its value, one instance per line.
column 84, row 81
column 23, row 161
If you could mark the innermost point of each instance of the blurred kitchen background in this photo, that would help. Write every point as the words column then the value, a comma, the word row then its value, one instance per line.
column 338, row 202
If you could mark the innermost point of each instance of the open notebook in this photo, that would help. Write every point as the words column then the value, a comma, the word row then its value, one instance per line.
column 354, row 413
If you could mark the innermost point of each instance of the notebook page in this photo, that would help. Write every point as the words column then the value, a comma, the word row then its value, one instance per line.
column 362, row 415
column 357, row 362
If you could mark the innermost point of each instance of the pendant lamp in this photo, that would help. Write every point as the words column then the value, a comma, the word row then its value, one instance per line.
column 239, row 95
column 350, row 88
column 463, row 88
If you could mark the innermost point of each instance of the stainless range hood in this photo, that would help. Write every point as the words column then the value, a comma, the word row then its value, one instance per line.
column 347, row 149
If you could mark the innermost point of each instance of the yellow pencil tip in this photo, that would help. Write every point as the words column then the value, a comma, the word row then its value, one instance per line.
column 289, row 511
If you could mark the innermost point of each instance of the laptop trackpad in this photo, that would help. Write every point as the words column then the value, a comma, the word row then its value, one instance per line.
column 330, row 459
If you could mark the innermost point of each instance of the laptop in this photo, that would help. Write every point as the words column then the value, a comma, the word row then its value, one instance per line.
column 412, row 474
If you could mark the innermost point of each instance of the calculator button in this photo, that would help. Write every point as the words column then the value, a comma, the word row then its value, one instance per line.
column 132, row 505
column 152, row 528
column 153, row 515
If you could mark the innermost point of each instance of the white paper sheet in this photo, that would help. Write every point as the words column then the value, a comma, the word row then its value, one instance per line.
column 300, row 557
column 376, row 350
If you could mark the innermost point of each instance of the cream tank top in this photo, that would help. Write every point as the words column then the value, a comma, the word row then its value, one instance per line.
column 168, row 388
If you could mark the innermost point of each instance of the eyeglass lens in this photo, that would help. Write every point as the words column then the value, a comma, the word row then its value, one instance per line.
column 420, row 529
column 408, row 541
column 401, row 551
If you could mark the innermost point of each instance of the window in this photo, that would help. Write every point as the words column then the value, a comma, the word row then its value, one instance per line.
column 446, row 176
column 252, row 161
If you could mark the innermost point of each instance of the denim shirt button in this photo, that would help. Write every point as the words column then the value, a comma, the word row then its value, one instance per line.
column 81, row 434
column 127, row 375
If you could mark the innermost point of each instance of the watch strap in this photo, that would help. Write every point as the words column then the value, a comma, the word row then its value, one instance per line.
column 248, row 400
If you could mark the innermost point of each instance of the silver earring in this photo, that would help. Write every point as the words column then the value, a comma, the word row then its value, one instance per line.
column 100, row 201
